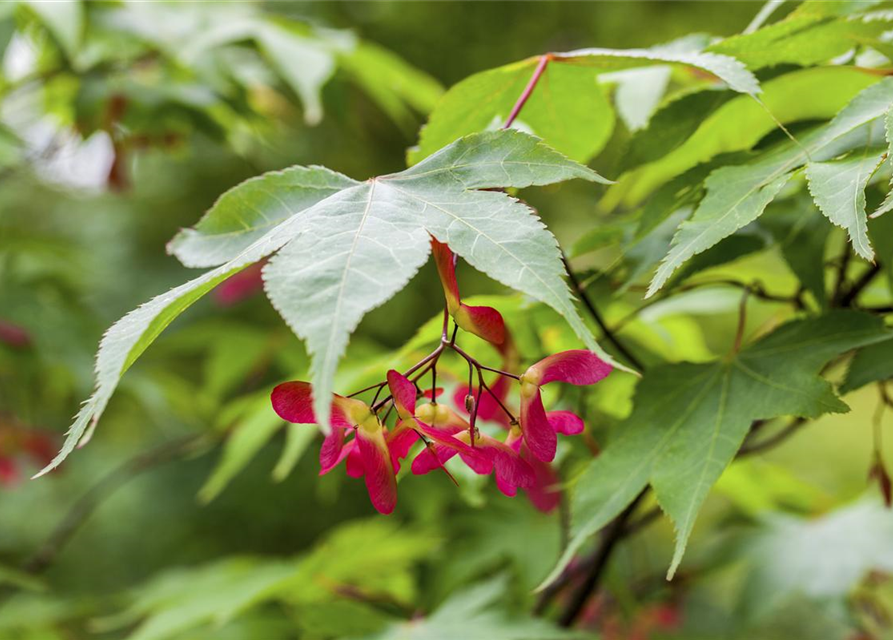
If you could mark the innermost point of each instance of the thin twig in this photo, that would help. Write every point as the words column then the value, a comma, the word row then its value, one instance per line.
column 599, row 320
column 774, row 439
column 848, row 298
column 611, row 536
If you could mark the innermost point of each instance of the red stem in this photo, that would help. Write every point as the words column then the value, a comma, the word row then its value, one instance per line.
column 537, row 73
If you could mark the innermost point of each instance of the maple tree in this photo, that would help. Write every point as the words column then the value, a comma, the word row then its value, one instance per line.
column 746, row 178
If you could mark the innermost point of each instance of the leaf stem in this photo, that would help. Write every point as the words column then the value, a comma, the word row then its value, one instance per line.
column 531, row 85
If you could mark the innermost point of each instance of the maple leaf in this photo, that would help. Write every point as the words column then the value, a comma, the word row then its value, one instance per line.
column 344, row 247
column 690, row 420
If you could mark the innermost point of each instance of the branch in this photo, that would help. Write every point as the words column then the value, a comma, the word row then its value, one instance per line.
column 611, row 536
column 848, row 298
column 599, row 320
column 773, row 440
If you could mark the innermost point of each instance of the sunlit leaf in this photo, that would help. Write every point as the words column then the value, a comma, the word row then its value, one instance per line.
column 568, row 109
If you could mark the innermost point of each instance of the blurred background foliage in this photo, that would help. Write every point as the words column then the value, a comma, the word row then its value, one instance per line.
column 196, row 513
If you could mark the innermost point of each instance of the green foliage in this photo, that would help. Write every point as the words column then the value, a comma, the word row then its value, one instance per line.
column 738, row 195
column 788, row 557
column 383, row 225
column 838, row 187
column 749, row 175
column 474, row 614
column 705, row 412
column 571, row 102
column 212, row 595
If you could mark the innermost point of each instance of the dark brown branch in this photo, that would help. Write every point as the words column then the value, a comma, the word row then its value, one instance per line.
column 773, row 440
column 599, row 320
column 610, row 537
column 840, row 283
column 864, row 280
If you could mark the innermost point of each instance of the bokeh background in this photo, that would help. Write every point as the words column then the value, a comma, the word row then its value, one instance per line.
column 110, row 142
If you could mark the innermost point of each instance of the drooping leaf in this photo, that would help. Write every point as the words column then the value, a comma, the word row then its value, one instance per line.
column 567, row 109
column 728, row 250
column 303, row 57
column 690, row 419
column 638, row 93
column 838, row 188
column 391, row 82
column 672, row 124
column 285, row 45
column 349, row 252
column 297, row 438
column 740, row 123
column 738, row 195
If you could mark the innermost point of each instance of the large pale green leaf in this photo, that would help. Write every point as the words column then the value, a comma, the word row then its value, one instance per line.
column 349, row 252
column 567, row 108
column 690, row 419
column 838, row 188
column 737, row 124
column 738, row 195
column 241, row 216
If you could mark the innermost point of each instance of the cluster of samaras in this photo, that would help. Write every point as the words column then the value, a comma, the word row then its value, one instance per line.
column 520, row 460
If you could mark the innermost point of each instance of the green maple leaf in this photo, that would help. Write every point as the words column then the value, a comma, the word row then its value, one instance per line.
column 737, row 124
column 737, row 195
column 568, row 109
column 690, row 420
column 345, row 247
column 838, row 188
